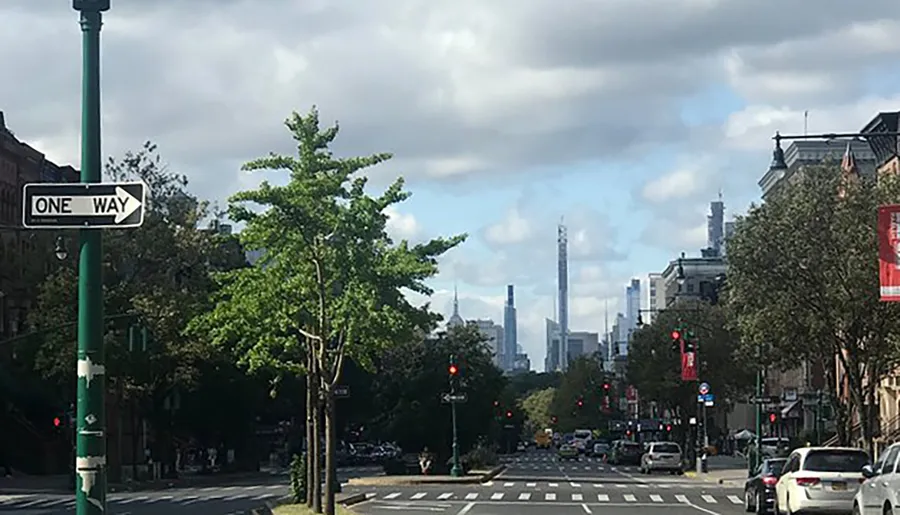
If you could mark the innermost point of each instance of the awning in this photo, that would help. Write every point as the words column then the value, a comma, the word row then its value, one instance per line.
column 790, row 407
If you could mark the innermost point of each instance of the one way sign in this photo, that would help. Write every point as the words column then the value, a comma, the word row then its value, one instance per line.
column 77, row 206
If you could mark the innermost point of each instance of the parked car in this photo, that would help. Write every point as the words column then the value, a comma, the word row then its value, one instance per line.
column 625, row 452
column 567, row 452
column 820, row 479
column 880, row 493
column 759, row 490
column 664, row 456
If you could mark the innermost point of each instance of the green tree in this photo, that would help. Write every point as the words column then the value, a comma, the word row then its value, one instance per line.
column 583, row 381
column 522, row 385
column 412, row 376
column 157, row 276
column 803, row 275
column 654, row 360
column 538, row 406
column 330, row 283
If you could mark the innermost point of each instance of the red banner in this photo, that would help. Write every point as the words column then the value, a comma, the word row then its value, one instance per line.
column 889, row 252
column 688, row 366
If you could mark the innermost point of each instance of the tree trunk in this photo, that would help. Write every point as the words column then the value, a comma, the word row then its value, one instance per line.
column 310, row 428
column 316, row 447
column 330, row 448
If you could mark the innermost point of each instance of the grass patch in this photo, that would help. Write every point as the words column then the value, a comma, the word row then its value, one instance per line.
column 301, row 509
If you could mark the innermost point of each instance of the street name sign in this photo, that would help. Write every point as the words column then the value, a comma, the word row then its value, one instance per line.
column 84, row 206
column 341, row 391
column 447, row 398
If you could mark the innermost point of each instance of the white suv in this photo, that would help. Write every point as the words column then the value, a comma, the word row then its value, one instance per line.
column 880, row 493
column 664, row 456
column 820, row 479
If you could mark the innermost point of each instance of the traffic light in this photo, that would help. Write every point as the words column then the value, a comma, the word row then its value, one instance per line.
column 580, row 403
column 508, row 414
column 668, row 428
column 606, row 387
column 677, row 343
column 453, row 369
column 772, row 418
column 496, row 404
column 57, row 421
column 690, row 343
column 676, row 335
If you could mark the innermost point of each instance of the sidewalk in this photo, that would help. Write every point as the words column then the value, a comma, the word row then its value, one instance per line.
column 723, row 470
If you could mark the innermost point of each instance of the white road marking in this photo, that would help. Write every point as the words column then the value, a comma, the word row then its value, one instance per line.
column 553, row 485
column 735, row 499
column 577, row 497
column 682, row 498
column 524, row 496
column 531, row 485
column 392, row 495
column 445, row 496
column 488, row 483
column 507, row 485
column 418, row 495
column 630, row 498
column 466, row 509
column 586, row 509
column 497, row 496
column 603, row 498
column 709, row 499
column 471, row 496
column 575, row 485
column 550, row 497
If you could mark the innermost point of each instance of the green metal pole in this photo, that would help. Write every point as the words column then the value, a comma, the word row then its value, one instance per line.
column 456, row 470
column 90, row 423
column 757, row 455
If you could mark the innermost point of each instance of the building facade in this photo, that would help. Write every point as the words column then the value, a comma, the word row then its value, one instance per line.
column 632, row 305
column 802, row 153
column 656, row 289
column 700, row 276
column 493, row 333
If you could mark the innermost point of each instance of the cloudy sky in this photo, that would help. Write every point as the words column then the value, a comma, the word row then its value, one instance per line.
column 623, row 117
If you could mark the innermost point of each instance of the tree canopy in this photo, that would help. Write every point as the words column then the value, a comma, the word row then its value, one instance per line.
column 654, row 362
column 803, row 275
column 583, row 381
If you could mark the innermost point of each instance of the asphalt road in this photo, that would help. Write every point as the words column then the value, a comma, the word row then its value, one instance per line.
column 536, row 483
column 225, row 499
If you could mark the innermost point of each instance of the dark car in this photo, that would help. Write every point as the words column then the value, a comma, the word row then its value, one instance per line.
column 625, row 452
column 759, row 491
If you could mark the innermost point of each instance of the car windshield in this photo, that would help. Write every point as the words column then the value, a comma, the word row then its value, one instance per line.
column 665, row 448
column 631, row 447
column 773, row 467
column 835, row 461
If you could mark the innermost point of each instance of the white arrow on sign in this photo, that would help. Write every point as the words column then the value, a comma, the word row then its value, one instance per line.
column 122, row 204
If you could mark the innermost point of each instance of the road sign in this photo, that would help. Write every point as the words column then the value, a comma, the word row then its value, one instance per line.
column 456, row 398
column 704, row 388
column 78, row 206
column 760, row 400
column 341, row 391
column 706, row 397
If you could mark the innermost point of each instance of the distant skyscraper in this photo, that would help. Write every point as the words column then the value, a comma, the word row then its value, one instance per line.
column 562, row 244
column 493, row 333
column 510, row 341
column 455, row 319
column 551, row 359
column 632, row 304
column 715, row 226
column 657, row 291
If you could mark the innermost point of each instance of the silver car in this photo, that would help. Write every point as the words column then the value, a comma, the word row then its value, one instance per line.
column 665, row 456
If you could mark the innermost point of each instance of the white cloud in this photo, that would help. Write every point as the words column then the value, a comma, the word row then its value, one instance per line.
column 513, row 228
column 401, row 226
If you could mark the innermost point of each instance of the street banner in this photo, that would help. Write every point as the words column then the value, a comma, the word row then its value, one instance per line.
column 688, row 366
column 889, row 252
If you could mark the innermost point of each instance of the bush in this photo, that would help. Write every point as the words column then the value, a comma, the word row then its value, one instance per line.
column 298, row 478
column 480, row 457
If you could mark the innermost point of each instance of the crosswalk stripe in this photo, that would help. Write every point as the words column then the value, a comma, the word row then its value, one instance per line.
column 507, row 485
column 622, row 486
column 603, row 497
column 709, row 499
column 681, row 498
column 392, row 495
column 599, row 485
column 735, row 499
column 630, row 498
column 575, row 485
column 488, row 483
column 530, row 485
column 524, row 496
column 419, row 495
column 445, row 496
column 550, row 497
column 643, row 486
column 497, row 496
column 577, row 497
column 471, row 496
column 656, row 498
column 553, row 485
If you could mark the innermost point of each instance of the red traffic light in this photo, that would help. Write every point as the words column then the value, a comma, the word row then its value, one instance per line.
column 553, row 419
column 772, row 417
column 57, row 422
column 509, row 414
column 453, row 370
column 606, row 386
column 676, row 335
column 669, row 428
column 496, row 403
column 580, row 403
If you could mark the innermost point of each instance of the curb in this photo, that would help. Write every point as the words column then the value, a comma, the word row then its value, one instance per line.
column 350, row 500
column 269, row 506
column 429, row 480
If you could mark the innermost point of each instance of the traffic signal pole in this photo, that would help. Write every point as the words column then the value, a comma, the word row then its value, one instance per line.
column 90, row 419
column 456, row 470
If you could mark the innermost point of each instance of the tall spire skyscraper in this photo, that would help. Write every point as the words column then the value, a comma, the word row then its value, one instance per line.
column 562, row 242
column 455, row 319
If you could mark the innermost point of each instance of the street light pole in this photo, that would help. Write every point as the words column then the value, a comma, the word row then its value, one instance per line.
column 90, row 423
column 456, row 469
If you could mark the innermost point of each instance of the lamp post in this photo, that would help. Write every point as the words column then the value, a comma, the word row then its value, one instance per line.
column 456, row 469
column 90, row 421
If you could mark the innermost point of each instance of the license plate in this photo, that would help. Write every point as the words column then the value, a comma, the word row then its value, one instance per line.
column 840, row 487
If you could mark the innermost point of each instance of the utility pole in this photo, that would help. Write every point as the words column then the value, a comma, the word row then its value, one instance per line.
column 456, row 470
column 90, row 419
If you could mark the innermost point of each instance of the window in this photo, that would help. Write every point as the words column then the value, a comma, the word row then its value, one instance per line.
column 836, row 461
column 888, row 456
column 666, row 448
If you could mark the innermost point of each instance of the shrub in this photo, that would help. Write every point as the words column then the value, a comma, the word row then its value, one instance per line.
column 298, row 478
column 480, row 457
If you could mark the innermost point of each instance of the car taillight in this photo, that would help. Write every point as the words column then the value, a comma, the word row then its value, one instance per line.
column 770, row 480
column 807, row 481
